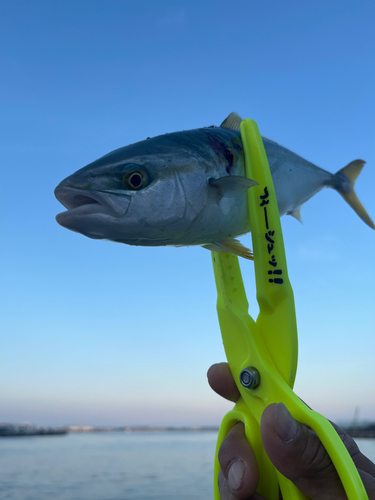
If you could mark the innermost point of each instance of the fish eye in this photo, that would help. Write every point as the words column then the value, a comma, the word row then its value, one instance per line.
column 135, row 180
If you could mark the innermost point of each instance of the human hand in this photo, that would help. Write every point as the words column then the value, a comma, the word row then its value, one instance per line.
column 294, row 449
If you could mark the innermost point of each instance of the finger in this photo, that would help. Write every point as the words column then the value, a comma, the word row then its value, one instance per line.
column 369, row 484
column 240, row 474
column 224, row 490
column 226, row 494
column 360, row 460
column 298, row 454
column 221, row 381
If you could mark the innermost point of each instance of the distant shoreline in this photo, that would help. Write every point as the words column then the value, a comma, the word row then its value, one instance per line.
column 27, row 430
column 360, row 433
column 142, row 428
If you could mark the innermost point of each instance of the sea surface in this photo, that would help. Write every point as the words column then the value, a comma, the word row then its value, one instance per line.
column 113, row 466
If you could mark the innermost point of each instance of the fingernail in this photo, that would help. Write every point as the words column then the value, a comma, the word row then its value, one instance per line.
column 235, row 474
column 285, row 425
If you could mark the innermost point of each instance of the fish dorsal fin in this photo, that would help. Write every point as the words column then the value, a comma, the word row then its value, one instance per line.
column 232, row 121
column 232, row 185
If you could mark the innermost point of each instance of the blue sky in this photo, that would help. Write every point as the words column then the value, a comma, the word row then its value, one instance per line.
column 101, row 333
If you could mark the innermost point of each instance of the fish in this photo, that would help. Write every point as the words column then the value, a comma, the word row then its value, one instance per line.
column 189, row 189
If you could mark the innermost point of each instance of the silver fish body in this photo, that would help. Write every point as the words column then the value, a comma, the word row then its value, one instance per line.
column 184, row 188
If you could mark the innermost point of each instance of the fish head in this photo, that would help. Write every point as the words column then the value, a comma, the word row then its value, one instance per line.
column 143, row 194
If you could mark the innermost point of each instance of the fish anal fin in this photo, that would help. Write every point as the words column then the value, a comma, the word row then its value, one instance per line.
column 345, row 186
column 231, row 186
column 230, row 245
column 233, row 121
column 297, row 214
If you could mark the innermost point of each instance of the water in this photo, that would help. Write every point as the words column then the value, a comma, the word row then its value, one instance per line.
column 108, row 466
column 113, row 466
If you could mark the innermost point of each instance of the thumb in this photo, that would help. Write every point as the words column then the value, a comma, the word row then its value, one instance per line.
column 296, row 452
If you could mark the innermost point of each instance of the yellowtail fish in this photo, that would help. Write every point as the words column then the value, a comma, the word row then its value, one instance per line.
column 189, row 188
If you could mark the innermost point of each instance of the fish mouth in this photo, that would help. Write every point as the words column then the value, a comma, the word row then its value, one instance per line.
column 72, row 198
column 81, row 202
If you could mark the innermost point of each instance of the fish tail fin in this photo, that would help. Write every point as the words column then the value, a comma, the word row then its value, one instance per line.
column 346, row 178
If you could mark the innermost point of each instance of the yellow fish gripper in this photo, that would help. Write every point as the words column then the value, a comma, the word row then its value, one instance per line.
column 262, row 354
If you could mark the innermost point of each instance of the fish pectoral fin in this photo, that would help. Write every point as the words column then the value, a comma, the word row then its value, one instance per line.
column 231, row 186
column 232, row 246
column 296, row 214
column 233, row 122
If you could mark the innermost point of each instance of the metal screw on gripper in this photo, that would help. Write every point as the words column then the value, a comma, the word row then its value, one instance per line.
column 250, row 377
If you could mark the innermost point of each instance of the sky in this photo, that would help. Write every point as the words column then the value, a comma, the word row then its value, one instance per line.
column 99, row 333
